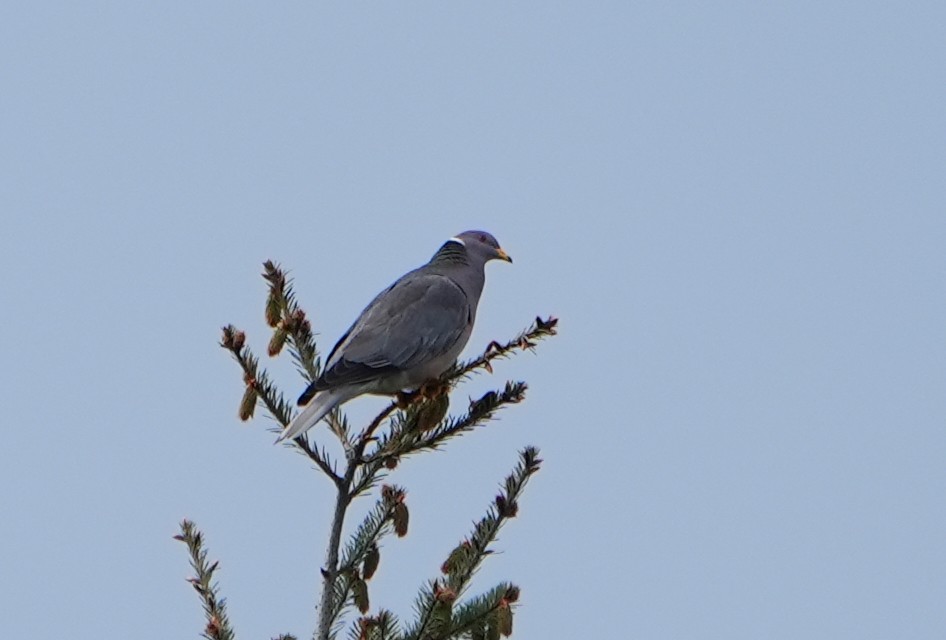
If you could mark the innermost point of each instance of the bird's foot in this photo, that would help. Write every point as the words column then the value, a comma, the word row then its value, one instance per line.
column 430, row 390
column 433, row 389
column 404, row 399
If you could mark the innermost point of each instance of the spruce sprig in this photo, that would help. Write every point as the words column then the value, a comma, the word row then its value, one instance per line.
column 215, row 607
column 434, row 620
column 260, row 389
column 360, row 559
column 289, row 322
column 383, row 626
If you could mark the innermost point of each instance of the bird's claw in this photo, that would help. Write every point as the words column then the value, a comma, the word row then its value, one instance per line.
column 404, row 399
column 433, row 389
column 430, row 390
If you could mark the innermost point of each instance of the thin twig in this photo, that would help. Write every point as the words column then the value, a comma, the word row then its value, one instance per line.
column 218, row 625
column 318, row 459
column 494, row 350
column 367, row 435
column 336, row 425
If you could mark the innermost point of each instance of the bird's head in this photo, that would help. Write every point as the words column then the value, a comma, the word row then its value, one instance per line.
column 481, row 245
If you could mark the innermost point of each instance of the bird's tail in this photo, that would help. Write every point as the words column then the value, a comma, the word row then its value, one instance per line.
column 318, row 408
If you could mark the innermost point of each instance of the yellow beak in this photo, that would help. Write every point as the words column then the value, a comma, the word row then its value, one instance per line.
column 502, row 255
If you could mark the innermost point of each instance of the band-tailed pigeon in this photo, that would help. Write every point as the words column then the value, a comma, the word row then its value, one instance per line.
column 411, row 333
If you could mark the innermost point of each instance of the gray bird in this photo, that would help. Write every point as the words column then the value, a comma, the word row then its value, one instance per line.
column 412, row 332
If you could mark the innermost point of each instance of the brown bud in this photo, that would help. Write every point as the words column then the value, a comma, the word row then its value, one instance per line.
column 273, row 309
column 372, row 559
column 359, row 592
column 233, row 338
column 400, row 517
column 213, row 626
column 456, row 558
column 492, row 628
column 507, row 508
column 392, row 495
column 504, row 618
column 391, row 463
column 432, row 412
column 512, row 594
column 248, row 403
column 278, row 340
column 365, row 624
column 444, row 594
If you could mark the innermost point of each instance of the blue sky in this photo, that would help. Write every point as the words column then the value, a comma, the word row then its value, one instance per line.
column 737, row 211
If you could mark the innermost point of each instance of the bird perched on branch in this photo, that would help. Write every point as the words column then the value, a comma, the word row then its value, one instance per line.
column 411, row 333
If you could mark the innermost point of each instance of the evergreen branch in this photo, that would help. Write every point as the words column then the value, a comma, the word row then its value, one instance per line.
column 320, row 457
column 527, row 340
column 292, row 327
column 474, row 616
column 361, row 556
column 424, row 608
column 285, row 636
column 338, row 424
column 258, row 385
column 368, row 434
column 479, row 412
column 260, row 389
column 383, row 626
column 376, row 524
column 367, row 475
column 408, row 434
column 218, row 625
column 466, row 558
column 289, row 322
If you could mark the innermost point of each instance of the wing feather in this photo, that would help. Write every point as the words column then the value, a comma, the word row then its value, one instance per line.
column 417, row 319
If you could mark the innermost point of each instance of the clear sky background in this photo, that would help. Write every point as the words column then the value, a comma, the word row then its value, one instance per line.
column 738, row 211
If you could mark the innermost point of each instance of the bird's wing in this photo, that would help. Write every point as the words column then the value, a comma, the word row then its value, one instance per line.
column 420, row 317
